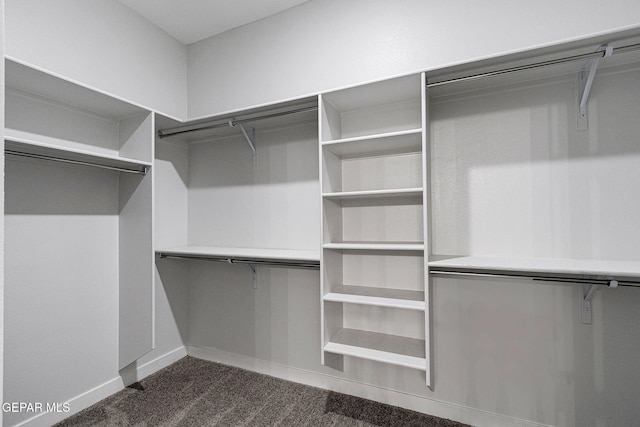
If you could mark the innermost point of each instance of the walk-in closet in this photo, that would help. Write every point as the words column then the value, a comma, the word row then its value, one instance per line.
column 400, row 222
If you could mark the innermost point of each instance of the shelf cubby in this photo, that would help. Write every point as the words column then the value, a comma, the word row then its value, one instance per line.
column 378, row 108
column 406, row 141
column 383, row 297
column 374, row 219
column 386, row 348
column 55, row 114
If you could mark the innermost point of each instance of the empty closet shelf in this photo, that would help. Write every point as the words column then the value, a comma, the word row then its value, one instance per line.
column 376, row 246
column 406, row 141
column 374, row 194
column 392, row 349
column 273, row 257
column 551, row 269
column 25, row 144
column 382, row 297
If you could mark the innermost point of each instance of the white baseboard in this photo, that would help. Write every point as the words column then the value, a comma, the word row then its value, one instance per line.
column 135, row 373
column 93, row 396
column 77, row 404
column 416, row 403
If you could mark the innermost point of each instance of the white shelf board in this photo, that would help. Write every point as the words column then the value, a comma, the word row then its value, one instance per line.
column 392, row 349
column 406, row 141
column 43, row 84
column 388, row 91
column 374, row 194
column 40, row 145
column 376, row 246
column 540, row 266
column 381, row 297
column 259, row 254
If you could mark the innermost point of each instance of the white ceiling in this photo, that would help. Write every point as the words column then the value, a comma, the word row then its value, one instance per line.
column 193, row 20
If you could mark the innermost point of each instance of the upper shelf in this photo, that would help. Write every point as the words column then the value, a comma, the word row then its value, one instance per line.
column 24, row 78
column 371, row 110
column 275, row 257
column 283, row 114
column 520, row 69
column 541, row 268
column 42, row 147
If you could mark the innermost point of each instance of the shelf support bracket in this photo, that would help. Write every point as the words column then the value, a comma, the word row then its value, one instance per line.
column 585, row 80
column 588, row 292
column 254, row 275
column 251, row 140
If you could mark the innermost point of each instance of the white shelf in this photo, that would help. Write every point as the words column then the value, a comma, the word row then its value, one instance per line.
column 43, row 84
column 376, row 246
column 392, row 349
column 40, row 146
column 579, row 268
column 406, row 141
column 374, row 194
column 381, row 297
column 247, row 255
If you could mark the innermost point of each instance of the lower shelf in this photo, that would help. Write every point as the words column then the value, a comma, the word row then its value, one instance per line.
column 553, row 269
column 392, row 349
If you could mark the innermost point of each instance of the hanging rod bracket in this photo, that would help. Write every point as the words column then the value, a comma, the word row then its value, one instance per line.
column 254, row 275
column 588, row 292
column 251, row 140
column 585, row 80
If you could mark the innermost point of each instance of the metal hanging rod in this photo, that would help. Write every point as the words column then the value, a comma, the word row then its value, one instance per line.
column 217, row 124
column 143, row 171
column 576, row 280
column 585, row 56
column 251, row 261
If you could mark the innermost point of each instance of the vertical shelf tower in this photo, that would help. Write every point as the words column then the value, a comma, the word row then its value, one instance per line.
column 375, row 291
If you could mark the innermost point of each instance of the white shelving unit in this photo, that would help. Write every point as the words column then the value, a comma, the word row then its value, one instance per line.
column 56, row 134
column 372, row 149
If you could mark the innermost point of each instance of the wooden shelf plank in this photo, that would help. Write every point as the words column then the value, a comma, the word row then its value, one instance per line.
column 265, row 255
column 407, row 141
column 375, row 194
column 392, row 349
column 376, row 246
column 561, row 267
column 382, row 297
column 39, row 145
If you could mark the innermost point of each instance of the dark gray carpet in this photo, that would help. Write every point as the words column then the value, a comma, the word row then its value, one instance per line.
column 194, row 392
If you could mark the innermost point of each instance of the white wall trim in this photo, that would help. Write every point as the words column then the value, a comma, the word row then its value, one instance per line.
column 416, row 403
column 76, row 404
column 96, row 394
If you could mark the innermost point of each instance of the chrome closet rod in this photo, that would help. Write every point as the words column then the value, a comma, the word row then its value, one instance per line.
column 232, row 260
column 541, row 64
column 74, row 162
column 542, row 278
column 206, row 126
